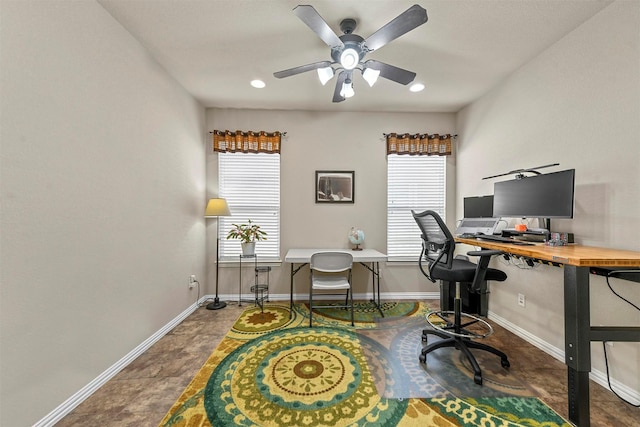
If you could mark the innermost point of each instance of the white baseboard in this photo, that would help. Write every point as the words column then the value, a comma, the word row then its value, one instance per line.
column 384, row 296
column 595, row 375
column 71, row 403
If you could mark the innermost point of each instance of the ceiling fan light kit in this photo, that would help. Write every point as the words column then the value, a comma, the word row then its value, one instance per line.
column 325, row 74
column 347, row 89
column 371, row 76
column 349, row 59
column 348, row 51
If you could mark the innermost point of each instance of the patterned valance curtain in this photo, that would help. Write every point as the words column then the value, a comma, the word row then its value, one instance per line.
column 419, row 144
column 246, row 142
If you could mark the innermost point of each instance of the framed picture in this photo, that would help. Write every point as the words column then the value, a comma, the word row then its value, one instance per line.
column 334, row 186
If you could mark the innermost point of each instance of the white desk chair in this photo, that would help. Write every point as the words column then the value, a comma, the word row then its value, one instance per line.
column 330, row 271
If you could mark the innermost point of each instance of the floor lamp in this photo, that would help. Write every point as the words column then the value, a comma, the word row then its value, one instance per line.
column 215, row 209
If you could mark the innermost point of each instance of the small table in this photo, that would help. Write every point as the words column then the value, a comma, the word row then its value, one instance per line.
column 368, row 258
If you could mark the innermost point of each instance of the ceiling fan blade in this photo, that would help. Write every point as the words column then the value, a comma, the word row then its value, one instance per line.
column 402, row 24
column 301, row 69
column 336, row 92
column 398, row 75
column 309, row 16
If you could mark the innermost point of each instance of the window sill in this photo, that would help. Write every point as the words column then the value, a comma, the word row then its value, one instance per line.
column 263, row 261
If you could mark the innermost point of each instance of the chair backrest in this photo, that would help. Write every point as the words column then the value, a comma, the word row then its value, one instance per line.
column 438, row 243
column 331, row 262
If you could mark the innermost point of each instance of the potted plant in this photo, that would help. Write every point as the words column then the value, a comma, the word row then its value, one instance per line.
column 248, row 234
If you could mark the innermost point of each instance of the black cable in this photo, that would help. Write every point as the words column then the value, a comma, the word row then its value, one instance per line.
column 615, row 293
column 606, row 364
column 203, row 303
column 604, row 347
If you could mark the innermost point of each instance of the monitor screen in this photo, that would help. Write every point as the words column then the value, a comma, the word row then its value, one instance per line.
column 540, row 196
column 478, row 207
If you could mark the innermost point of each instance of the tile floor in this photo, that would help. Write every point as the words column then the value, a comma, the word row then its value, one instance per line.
column 142, row 393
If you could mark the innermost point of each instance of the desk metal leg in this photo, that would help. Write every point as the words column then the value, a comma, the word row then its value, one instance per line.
column 577, row 325
column 375, row 270
column 291, row 294
column 293, row 273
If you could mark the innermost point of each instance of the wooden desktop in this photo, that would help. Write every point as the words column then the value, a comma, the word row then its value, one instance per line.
column 577, row 260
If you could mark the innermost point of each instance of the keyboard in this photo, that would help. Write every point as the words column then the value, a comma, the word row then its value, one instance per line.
column 468, row 235
column 502, row 239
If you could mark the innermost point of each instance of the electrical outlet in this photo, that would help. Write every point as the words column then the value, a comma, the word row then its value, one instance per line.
column 192, row 281
column 521, row 300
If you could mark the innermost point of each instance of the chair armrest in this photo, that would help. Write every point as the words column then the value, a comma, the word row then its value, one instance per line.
column 484, row 252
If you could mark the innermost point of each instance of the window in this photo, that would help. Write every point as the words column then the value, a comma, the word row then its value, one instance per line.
column 250, row 183
column 413, row 182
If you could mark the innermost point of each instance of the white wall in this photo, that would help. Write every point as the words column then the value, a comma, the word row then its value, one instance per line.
column 577, row 104
column 327, row 141
column 103, row 190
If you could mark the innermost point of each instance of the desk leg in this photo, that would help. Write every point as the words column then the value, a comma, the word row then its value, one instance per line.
column 291, row 293
column 293, row 273
column 375, row 275
column 577, row 328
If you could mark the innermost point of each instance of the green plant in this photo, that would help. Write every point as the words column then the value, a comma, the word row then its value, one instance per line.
column 247, row 232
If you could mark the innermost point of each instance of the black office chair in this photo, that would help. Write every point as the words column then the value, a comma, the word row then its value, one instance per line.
column 438, row 246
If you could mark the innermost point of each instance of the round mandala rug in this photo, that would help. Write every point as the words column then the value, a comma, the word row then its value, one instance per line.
column 298, row 377
column 366, row 314
column 254, row 322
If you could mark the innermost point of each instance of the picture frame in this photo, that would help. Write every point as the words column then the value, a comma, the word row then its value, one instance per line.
column 335, row 186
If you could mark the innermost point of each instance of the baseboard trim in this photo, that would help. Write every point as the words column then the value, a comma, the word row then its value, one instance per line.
column 71, row 403
column 362, row 296
column 595, row 375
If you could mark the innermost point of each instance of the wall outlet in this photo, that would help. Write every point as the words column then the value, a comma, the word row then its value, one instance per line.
column 192, row 281
column 521, row 300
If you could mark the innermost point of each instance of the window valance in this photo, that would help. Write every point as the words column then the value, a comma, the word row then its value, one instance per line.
column 419, row 144
column 246, row 142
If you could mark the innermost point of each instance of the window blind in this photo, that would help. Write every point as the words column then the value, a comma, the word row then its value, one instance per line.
column 413, row 182
column 251, row 185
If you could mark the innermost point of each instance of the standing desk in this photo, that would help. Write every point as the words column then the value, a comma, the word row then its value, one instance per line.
column 368, row 258
column 578, row 332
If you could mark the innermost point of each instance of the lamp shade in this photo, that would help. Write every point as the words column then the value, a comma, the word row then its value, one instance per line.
column 347, row 89
column 370, row 75
column 216, row 208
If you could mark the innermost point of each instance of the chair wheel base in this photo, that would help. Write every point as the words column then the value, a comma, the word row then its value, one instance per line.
column 477, row 379
column 505, row 363
column 422, row 358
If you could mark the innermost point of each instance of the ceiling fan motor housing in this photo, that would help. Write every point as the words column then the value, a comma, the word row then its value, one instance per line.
column 348, row 25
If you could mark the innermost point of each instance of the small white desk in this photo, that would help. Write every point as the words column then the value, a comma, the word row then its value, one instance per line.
column 368, row 258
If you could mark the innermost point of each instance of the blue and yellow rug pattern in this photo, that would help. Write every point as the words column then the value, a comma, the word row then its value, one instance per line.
column 273, row 370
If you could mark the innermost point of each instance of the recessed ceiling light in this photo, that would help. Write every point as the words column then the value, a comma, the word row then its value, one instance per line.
column 416, row 87
column 259, row 84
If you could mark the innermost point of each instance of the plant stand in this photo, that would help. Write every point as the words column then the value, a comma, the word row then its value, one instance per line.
column 260, row 290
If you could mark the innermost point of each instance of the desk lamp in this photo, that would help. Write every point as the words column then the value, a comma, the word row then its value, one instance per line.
column 215, row 209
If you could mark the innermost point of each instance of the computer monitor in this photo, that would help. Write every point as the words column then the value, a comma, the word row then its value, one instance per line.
column 478, row 207
column 543, row 196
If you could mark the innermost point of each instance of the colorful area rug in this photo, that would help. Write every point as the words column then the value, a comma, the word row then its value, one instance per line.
column 273, row 370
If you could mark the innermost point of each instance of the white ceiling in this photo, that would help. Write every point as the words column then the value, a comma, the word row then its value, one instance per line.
column 214, row 48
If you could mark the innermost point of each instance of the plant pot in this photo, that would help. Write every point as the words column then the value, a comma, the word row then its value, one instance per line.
column 248, row 248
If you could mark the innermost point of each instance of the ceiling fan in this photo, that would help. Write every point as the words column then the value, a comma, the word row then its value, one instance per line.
column 348, row 50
